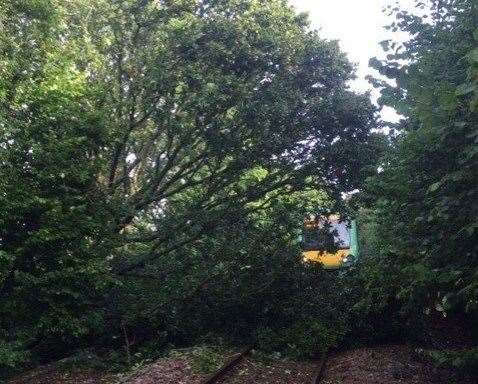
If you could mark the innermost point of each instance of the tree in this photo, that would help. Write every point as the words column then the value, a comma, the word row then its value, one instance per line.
column 129, row 129
column 425, row 200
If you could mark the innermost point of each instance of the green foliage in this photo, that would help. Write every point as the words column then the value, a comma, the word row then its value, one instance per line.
column 424, row 209
column 153, row 156
column 206, row 359
column 12, row 358
column 375, row 286
column 87, row 359
column 52, row 266
column 463, row 361
column 305, row 339
column 246, row 274
column 419, row 255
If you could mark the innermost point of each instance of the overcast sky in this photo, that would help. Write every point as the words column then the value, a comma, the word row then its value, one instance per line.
column 357, row 24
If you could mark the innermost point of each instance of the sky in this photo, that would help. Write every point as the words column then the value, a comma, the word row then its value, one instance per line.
column 358, row 25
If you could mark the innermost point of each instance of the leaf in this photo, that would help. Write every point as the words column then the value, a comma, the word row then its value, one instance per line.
column 434, row 187
column 465, row 89
column 474, row 55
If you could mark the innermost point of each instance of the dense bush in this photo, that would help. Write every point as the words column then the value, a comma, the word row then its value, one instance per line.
column 420, row 256
column 462, row 361
column 12, row 356
column 310, row 337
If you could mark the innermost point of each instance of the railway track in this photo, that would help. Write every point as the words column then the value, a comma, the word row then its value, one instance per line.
column 227, row 367
column 319, row 372
column 233, row 362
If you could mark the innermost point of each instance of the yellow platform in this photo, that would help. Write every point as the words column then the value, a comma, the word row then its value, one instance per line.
column 329, row 260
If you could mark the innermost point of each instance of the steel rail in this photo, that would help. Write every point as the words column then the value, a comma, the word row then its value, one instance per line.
column 228, row 366
column 319, row 372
